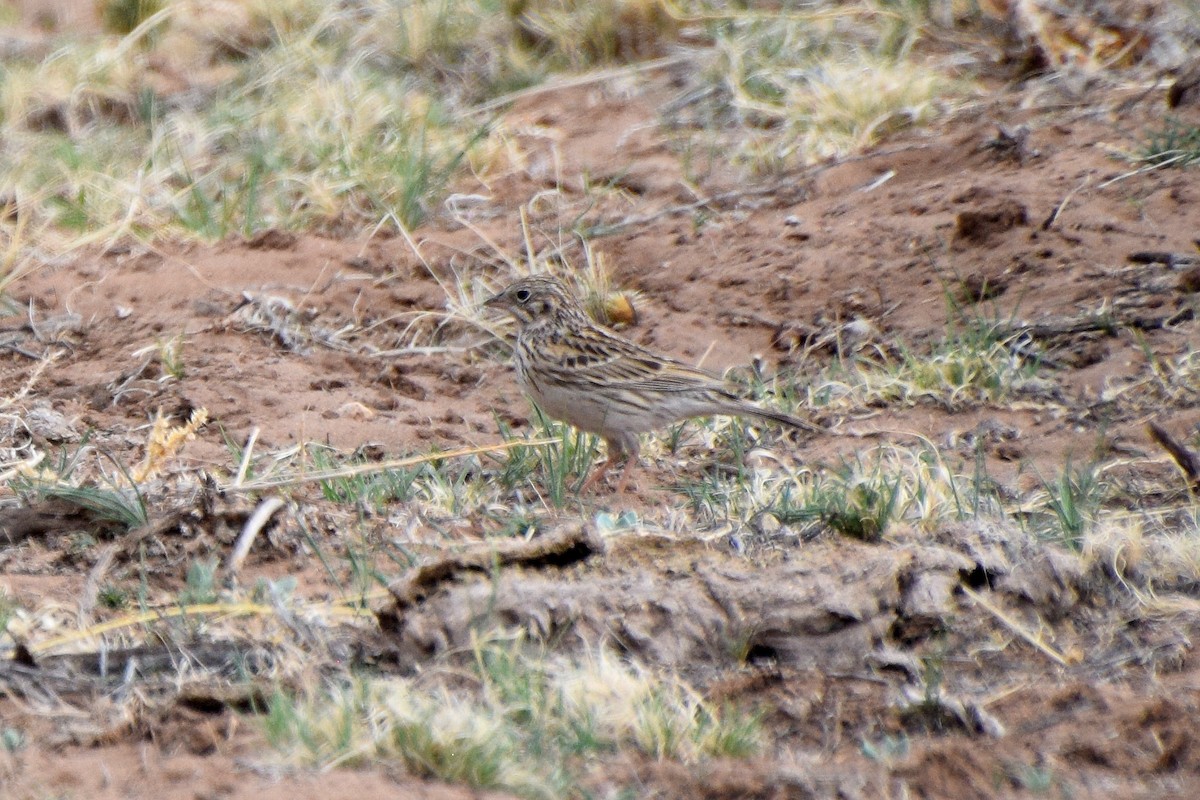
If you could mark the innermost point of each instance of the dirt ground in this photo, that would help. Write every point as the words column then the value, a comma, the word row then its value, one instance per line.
column 1017, row 208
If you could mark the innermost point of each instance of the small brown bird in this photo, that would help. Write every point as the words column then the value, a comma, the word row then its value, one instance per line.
column 584, row 374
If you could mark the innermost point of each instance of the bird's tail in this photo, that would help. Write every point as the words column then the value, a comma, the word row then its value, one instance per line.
column 751, row 410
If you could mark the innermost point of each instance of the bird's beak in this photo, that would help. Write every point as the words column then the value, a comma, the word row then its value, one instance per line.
column 495, row 301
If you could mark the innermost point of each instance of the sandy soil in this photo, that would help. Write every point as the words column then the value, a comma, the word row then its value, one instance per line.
column 1017, row 209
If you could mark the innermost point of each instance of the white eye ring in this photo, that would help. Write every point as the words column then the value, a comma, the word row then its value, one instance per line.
column 522, row 295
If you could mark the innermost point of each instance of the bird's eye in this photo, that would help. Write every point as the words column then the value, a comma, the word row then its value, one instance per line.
column 522, row 295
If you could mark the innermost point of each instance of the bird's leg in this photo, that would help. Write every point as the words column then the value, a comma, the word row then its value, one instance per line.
column 630, row 463
column 620, row 450
column 597, row 474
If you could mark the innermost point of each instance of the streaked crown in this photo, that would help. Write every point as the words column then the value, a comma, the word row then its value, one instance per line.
column 538, row 298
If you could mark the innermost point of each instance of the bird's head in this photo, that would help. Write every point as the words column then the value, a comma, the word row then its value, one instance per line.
column 537, row 299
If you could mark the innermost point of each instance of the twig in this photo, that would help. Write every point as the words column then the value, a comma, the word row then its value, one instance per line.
column 1172, row 260
column 1058, row 209
column 91, row 588
column 1188, row 461
column 599, row 76
column 430, row 351
column 21, row 351
column 247, row 452
column 348, row 607
column 1142, row 170
column 1016, row 627
column 121, row 388
column 382, row 466
column 266, row 509
column 614, row 227
column 27, row 387
column 880, row 181
column 1061, row 326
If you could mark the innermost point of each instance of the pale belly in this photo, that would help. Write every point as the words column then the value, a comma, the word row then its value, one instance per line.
column 589, row 412
column 603, row 413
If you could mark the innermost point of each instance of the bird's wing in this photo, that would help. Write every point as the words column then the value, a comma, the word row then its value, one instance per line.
column 601, row 359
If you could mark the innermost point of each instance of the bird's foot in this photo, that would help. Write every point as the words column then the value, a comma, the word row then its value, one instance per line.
column 596, row 475
column 630, row 462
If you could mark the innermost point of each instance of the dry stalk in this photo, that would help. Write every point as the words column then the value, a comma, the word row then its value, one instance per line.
column 382, row 466
column 1016, row 627
column 262, row 514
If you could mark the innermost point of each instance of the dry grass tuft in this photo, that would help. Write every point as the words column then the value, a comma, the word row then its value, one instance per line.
column 165, row 441
column 303, row 114
column 586, row 33
column 1150, row 564
column 528, row 723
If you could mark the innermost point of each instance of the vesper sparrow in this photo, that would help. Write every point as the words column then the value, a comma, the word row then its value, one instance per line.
column 584, row 374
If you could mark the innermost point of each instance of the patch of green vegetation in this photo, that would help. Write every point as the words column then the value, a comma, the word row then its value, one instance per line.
column 371, row 491
column 1036, row 779
column 854, row 504
column 313, row 126
column 1071, row 504
column 12, row 739
column 577, row 34
column 862, row 498
column 125, row 506
column 105, row 496
column 554, row 472
column 516, row 522
column 113, row 597
column 364, row 576
column 200, row 585
column 530, row 726
column 887, row 749
column 321, row 116
column 801, row 84
column 967, row 368
column 124, row 16
column 310, row 115
column 1174, row 143
column 8, row 607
